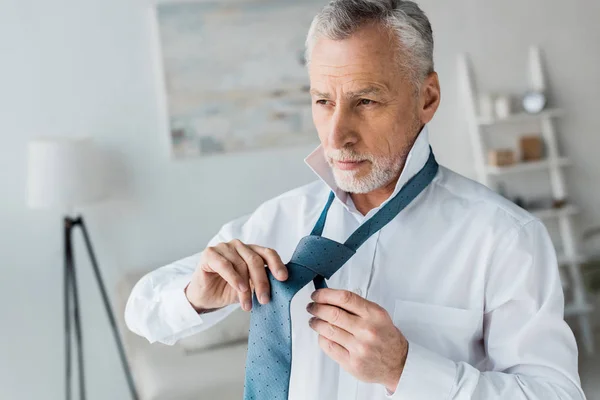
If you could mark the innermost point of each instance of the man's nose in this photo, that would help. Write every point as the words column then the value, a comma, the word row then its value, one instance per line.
column 341, row 130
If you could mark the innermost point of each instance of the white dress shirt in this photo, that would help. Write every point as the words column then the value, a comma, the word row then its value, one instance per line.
column 469, row 278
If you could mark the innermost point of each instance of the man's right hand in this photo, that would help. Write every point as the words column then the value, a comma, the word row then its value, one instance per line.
column 228, row 272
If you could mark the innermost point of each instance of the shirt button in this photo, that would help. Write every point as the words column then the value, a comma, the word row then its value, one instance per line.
column 357, row 291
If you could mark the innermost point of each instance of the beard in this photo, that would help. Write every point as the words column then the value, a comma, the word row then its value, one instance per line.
column 383, row 169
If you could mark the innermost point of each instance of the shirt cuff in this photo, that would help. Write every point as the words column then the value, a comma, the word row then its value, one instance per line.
column 426, row 375
column 180, row 314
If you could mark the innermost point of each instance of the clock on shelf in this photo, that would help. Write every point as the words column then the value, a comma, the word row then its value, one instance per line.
column 534, row 102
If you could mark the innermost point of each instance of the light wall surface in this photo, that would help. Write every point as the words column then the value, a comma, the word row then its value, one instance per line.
column 84, row 67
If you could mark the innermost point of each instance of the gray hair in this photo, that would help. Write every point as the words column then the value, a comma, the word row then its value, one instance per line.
column 405, row 19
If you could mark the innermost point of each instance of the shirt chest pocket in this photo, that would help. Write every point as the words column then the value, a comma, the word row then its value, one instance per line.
column 451, row 332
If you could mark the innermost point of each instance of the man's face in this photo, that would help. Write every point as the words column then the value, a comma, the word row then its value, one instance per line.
column 365, row 109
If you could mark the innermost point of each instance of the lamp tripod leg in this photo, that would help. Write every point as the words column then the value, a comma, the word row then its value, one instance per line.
column 67, row 306
column 72, row 291
column 109, row 312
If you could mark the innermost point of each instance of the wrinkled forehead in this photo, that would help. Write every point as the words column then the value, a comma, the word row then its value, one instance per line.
column 371, row 55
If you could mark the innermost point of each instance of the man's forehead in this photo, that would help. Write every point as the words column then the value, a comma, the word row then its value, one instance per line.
column 341, row 60
column 359, row 76
column 365, row 46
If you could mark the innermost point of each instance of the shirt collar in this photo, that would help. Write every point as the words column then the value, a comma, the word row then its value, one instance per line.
column 417, row 157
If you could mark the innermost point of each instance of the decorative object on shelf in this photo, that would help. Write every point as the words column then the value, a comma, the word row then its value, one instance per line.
column 486, row 106
column 65, row 173
column 502, row 106
column 532, row 148
column 567, row 241
column 559, row 203
column 534, row 102
column 501, row 157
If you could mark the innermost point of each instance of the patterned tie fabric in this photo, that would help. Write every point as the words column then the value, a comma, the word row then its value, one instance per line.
column 269, row 358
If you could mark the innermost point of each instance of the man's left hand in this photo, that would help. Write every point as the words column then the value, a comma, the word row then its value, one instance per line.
column 359, row 335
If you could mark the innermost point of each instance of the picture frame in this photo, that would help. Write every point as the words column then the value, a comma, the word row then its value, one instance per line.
column 232, row 75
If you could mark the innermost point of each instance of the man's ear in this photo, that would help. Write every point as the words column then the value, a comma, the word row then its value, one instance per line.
column 430, row 97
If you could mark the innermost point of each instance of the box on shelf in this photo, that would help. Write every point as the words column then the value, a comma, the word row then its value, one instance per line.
column 501, row 157
column 532, row 148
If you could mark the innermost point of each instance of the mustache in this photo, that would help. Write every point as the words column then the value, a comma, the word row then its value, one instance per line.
column 347, row 155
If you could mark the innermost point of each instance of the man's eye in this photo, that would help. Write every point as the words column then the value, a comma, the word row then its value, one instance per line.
column 366, row 102
column 322, row 102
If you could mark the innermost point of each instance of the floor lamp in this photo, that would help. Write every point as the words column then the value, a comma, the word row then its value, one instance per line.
column 66, row 173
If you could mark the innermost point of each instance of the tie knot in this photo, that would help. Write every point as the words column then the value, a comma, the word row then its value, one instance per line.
column 321, row 255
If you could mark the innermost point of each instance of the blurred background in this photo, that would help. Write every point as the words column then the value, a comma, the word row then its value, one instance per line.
column 200, row 112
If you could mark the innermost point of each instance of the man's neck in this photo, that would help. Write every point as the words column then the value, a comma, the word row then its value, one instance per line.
column 365, row 202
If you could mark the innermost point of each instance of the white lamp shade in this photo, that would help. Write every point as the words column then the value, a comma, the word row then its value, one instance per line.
column 64, row 173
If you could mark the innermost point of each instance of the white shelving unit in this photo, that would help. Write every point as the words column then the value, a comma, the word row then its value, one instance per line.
column 529, row 166
column 554, row 164
column 567, row 211
column 521, row 117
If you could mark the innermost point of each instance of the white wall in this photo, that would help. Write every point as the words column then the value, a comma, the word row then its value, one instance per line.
column 80, row 67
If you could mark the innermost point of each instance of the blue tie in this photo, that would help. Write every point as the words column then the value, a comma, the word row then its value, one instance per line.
column 269, row 358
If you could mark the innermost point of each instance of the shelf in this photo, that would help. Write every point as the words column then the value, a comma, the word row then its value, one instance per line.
column 577, row 309
column 554, row 212
column 527, row 166
column 564, row 260
column 543, row 123
column 522, row 117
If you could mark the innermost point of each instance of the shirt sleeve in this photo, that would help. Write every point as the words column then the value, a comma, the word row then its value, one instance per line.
column 532, row 354
column 157, row 307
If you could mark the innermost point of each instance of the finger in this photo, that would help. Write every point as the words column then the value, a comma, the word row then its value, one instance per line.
column 217, row 263
column 335, row 316
column 256, row 270
column 273, row 260
column 336, row 352
column 343, row 299
column 332, row 332
column 231, row 254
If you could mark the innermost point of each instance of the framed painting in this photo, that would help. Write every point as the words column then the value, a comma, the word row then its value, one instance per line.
column 234, row 74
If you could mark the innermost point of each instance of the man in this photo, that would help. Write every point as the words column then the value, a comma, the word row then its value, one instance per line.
column 458, row 297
